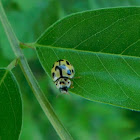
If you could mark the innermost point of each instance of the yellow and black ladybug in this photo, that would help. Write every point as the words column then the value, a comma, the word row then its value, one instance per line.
column 62, row 71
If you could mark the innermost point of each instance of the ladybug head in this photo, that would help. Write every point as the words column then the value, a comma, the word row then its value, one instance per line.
column 63, row 84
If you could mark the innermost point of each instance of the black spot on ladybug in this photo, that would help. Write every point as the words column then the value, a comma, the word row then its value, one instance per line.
column 62, row 83
column 65, row 79
column 67, row 63
column 72, row 71
column 53, row 74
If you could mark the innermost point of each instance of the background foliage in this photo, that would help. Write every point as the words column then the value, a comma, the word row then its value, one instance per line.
column 84, row 119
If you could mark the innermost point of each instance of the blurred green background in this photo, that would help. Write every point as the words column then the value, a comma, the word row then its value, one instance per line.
column 84, row 119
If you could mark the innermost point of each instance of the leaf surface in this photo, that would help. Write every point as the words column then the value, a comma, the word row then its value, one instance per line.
column 10, row 106
column 103, row 46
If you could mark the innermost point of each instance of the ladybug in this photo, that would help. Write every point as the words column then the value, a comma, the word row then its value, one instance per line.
column 62, row 71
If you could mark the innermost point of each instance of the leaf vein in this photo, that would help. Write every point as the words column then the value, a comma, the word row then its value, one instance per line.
column 102, row 30
column 114, row 79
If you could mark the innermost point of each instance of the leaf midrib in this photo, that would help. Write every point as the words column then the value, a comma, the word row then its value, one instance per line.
column 86, row 51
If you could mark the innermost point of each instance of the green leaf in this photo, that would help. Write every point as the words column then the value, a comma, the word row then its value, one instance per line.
column 103, row 46
column 10, row 106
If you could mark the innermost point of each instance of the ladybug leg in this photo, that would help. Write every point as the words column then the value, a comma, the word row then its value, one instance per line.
column 71, row 86
column 57, row 96
column 76, row 77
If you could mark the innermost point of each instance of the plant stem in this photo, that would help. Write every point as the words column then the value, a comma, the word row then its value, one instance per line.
column 46, row 106
column 12, row 64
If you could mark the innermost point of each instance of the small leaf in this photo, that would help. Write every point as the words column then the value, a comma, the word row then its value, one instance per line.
column 10, row 106
column 103, row 46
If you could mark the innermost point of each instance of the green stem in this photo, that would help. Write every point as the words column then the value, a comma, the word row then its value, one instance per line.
column 46, row 106
column 12, row 64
